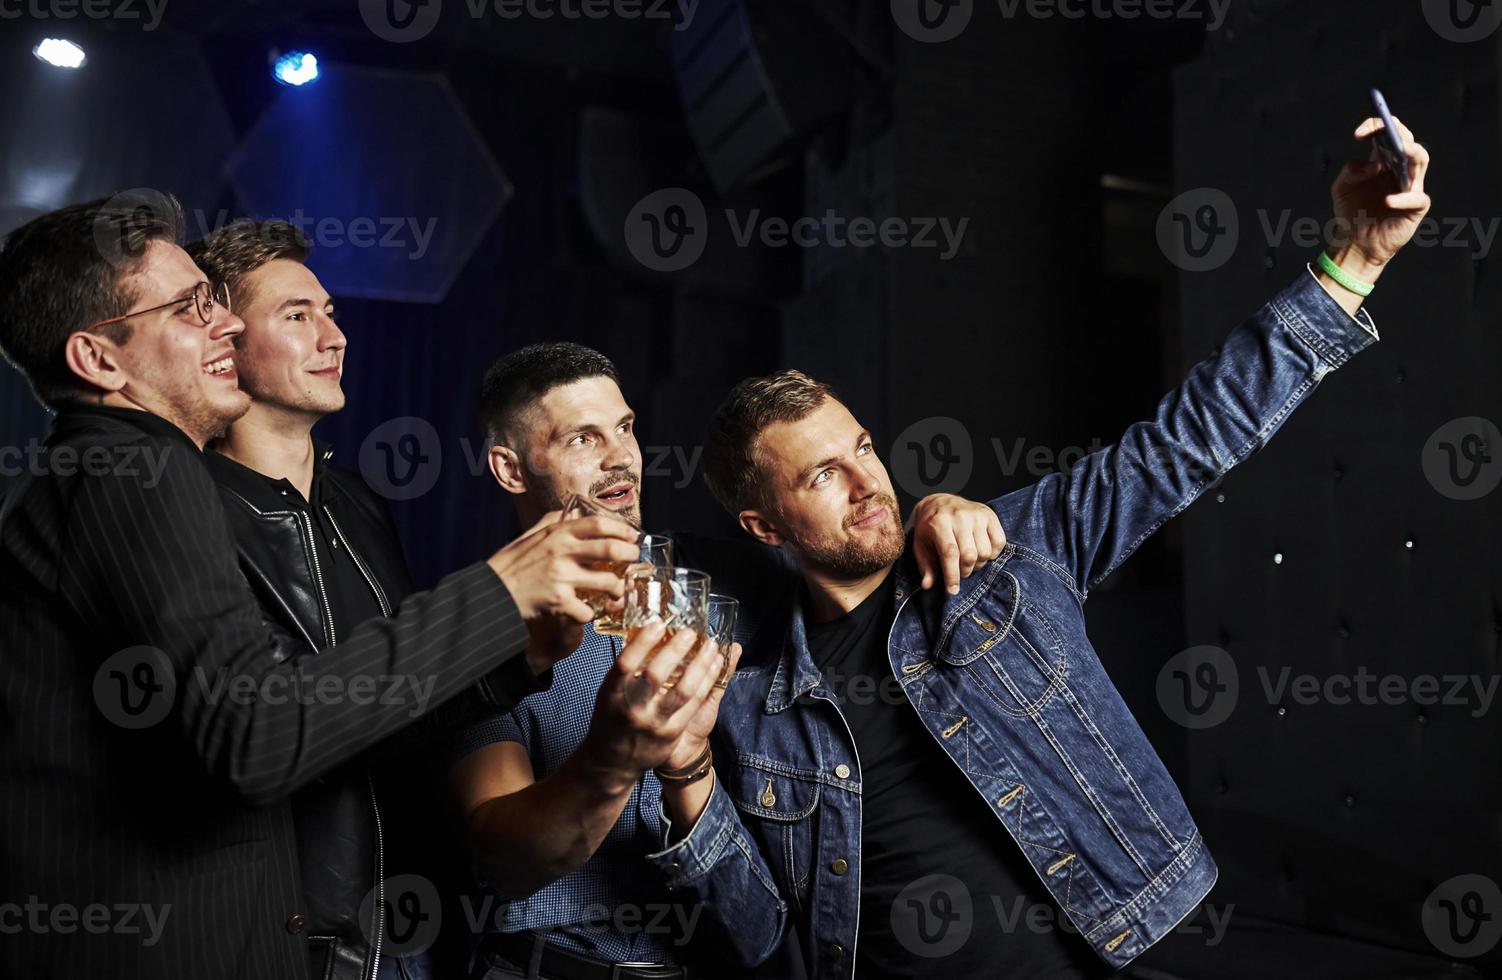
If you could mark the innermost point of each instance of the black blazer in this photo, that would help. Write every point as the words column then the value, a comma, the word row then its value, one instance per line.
column 145, row 830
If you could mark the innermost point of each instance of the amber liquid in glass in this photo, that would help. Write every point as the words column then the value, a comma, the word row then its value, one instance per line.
column 630, row 633
column 608, row 623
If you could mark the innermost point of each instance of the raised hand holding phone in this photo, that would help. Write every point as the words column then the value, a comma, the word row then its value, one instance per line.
column 1374, row 219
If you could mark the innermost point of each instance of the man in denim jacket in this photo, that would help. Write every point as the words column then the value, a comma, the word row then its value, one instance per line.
column 886, row 836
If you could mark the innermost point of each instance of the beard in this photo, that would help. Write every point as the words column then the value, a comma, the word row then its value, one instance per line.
column 554, row 497
column 850, row 557
column 202, row 416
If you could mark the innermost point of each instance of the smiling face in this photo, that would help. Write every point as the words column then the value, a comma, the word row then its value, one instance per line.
column 173, row 365
column 579, row 438
column 291, row 355
column 827, row 497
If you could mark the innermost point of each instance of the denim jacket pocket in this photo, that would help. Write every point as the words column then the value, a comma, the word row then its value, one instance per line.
column 1025, row 658
column 985, row 624
column 779, row 802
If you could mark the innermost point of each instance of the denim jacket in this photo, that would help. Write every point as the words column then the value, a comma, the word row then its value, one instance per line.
column 1006, row 681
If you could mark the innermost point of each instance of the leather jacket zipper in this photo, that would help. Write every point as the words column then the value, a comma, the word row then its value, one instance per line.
column 328, row 613
column 380, row 902
column 375, row 808
column 359, row 563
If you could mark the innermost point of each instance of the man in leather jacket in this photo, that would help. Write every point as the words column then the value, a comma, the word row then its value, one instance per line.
column 319, row 548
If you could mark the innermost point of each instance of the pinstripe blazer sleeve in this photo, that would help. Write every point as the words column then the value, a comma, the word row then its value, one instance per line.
column 152, row 562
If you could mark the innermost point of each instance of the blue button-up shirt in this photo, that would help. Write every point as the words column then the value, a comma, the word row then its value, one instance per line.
column 614, row 906
column 617, row 906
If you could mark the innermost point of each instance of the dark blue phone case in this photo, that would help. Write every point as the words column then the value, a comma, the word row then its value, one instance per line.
column 1390, row 145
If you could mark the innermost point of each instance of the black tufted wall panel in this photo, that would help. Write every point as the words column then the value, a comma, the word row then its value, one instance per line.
column 1332, row 552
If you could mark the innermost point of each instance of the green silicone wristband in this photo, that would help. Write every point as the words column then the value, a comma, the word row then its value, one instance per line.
column 1362, row 289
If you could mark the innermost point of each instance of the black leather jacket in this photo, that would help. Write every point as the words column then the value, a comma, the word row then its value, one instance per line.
column 339, row 817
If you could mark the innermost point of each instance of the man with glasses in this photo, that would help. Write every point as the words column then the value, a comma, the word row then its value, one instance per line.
column 152, row 723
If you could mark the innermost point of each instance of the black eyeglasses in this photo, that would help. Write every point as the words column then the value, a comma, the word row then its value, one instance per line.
column 204, row 297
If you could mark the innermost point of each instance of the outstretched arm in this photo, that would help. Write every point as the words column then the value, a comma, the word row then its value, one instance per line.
column 1091, row 518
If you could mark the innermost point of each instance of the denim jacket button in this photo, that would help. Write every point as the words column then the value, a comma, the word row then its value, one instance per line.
column 839, row 866
column 836, row 950
column 842, row 771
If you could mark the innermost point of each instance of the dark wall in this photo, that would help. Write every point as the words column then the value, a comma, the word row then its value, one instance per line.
column 1347, row 547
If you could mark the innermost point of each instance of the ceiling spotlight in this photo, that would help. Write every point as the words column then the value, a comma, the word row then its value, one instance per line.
column 59, row 53
column 295, row 68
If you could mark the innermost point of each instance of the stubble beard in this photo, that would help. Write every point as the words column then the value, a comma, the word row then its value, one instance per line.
column 848, row 557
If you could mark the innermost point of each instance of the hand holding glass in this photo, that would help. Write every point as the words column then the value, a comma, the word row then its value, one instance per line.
column 656, row 551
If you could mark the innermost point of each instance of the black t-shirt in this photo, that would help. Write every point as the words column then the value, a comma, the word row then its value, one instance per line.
column 930, row 848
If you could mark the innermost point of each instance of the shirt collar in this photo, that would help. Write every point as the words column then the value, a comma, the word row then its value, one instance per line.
column 797, row 674
column 265, row 492
column 73, row 416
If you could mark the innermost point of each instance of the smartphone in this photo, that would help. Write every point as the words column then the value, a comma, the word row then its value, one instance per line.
column 1389, row 144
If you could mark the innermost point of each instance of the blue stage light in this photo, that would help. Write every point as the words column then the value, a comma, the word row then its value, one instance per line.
column 59, row 53
column 295, row 68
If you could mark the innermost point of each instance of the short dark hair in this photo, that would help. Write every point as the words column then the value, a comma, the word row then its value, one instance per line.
column 730, row 465
column 66, row 269
column 515, row 383
column 243, row 246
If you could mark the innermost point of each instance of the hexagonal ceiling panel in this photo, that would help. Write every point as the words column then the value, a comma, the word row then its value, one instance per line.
column 383, row 171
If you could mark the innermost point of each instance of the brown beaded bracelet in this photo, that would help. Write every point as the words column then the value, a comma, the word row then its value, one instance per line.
column 691, row 773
